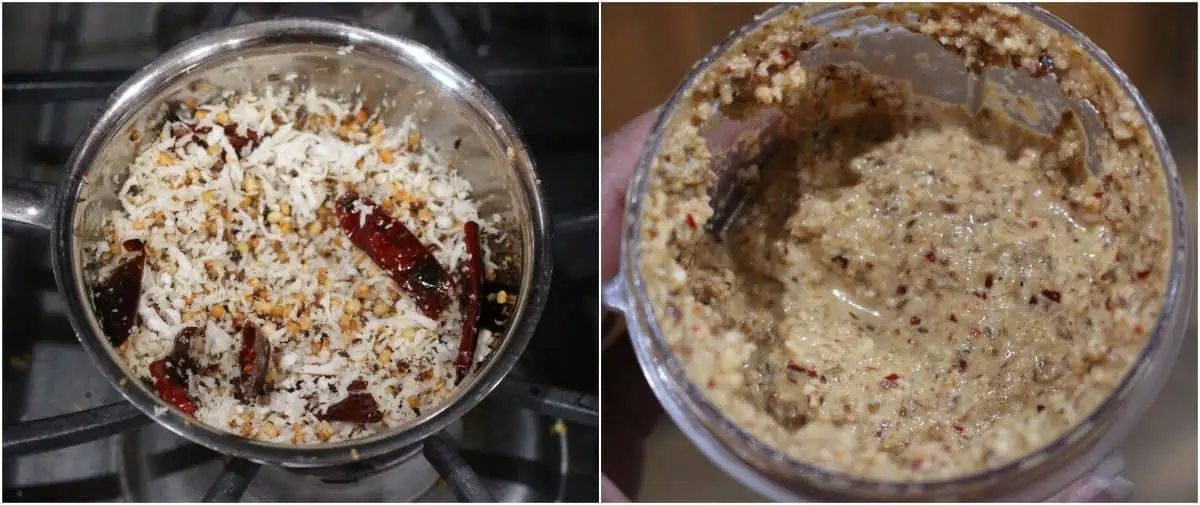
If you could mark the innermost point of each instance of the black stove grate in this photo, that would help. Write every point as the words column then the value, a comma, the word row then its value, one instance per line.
column 492, row 42
column 57, row 432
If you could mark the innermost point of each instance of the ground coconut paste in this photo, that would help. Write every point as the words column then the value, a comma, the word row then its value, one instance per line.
column 910, row 292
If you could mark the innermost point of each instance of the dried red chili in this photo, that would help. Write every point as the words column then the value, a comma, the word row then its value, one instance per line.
column 1052, row 295
column 116, row 298
column 181, row 357
column 691, row 222
column 396, row 250
column 494, row 316
column 169, row 385
column 253, row 360
column 356, row 408
column 472, row 284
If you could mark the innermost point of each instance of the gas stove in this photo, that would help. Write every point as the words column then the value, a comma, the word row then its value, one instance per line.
column 534, row 439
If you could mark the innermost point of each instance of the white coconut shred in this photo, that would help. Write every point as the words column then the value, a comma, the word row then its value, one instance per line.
column 234, row 203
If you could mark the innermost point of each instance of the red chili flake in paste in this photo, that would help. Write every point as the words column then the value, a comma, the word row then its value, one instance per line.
column 795, row 367
column 889, row 382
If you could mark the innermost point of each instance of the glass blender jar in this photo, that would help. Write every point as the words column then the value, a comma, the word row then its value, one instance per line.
column 1082, row 463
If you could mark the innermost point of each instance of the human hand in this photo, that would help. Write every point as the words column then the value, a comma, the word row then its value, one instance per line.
column 630, row 416
column 619, row 153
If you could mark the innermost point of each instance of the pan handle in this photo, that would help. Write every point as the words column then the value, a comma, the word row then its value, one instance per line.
column 27, row 203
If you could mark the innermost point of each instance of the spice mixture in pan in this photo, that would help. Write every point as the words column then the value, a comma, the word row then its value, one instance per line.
column 288, row 268
column 911, row 292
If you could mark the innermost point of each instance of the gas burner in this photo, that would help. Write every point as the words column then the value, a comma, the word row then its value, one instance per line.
column 363, row 470
column 495, row 439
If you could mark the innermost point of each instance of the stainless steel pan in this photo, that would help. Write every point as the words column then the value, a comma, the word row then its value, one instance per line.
column 335, row 58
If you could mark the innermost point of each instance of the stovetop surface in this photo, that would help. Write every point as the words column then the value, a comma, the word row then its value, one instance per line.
column 538, row 61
